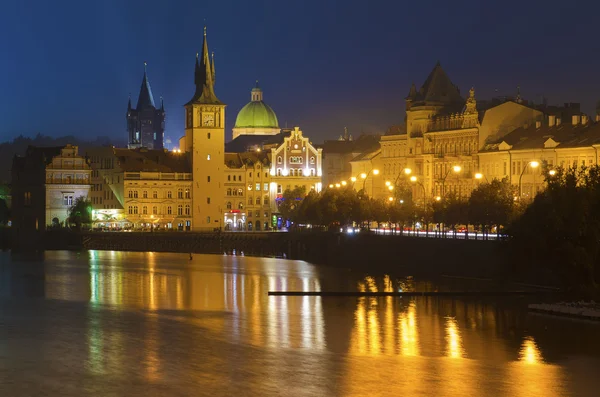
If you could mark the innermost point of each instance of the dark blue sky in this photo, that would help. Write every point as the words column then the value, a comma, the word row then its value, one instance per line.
column 67, row 67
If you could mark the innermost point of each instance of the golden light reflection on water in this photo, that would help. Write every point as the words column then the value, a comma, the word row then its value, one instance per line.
column 530, row 352
column 228, row 300
column 453, row 339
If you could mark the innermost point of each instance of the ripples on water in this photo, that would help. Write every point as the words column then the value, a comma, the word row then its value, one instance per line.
column 115, row 323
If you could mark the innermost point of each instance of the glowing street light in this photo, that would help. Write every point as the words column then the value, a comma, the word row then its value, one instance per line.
column 388, row 183
column 478, row 175
column 390, row 199
column 407, row 171
column 353, row 179
column 337, row 185
column 330, row 185
column 363, row 175
column 533, row 164
column 390, row 188
column 552, row 172
column 413, row 178
column 344, row 183
column 438, row 198
column 456, row 168
column 375, row 172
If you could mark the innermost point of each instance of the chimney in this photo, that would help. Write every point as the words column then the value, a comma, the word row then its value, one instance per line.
column 558, row 120
column 576, row 118
column 584, row 119
column 551, row 120
column 538, row 124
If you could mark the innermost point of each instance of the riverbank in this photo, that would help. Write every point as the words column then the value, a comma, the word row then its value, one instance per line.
column 580, row 310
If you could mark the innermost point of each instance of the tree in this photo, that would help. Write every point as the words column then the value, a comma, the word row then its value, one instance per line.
column 491, row 204
column 290, row 202
column 80, row 213
column 560, row 231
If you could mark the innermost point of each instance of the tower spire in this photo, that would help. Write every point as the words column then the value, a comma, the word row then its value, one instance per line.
column 204, row 77
column 145, row 99
column 212, row 66
column 129, row 102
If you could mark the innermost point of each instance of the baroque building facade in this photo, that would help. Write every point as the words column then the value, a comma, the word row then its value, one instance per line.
column 439, row 143
column 145, row 122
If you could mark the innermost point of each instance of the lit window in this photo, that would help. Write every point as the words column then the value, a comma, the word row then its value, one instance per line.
column 240, row 206
column 187, row 209
column 169, row 210
column 266, row 187
column 258, row 187
column 208, row 156
column 187, row 192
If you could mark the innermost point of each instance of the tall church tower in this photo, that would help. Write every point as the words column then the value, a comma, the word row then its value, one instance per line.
column 145, row 123
column 205, row 140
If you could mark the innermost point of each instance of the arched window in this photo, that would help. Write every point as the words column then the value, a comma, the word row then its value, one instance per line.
column 312, row 172
column 180, row 193
column 169, row 210
column 144, row 210
column 278, row 171
column 257, row 202
column 235, row 192
column 130, row 210
column 229, row 205
column 145, row 194
column 279, row 160
column 266, row 200
column 229, row 191
column 169, row 194
column 240, row 206
column 250, row 201
column 155, row 210
column 180, row 209
column 187, row 193
column 312, row 160
column 187, row 209
column 154, row 194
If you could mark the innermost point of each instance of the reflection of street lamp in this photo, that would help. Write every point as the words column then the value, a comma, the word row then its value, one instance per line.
column 534, row 164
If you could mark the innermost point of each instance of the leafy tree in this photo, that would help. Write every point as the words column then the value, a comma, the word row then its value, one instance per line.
column 80, row 213
column 560, row 230
column 290, row 202
column 491, row 204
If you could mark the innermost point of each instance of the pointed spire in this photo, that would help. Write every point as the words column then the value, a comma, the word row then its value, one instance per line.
column 212, row 66
column 145, row 98
column 129, row 102
column 162, row 104
column 204, row 76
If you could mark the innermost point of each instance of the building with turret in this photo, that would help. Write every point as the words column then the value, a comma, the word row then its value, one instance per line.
column 145, row 122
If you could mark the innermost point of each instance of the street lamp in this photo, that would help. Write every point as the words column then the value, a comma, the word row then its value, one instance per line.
column 390, row 199
column 365, row 176
column 353, row 179
column 344, row 183
column 390, row 188
column 552, row 172
column 388, row 183
column 480, row 176
column 533, row 164
column 414, row 180
column 331, row 185
column 337, row 185
column 407, row 171
column 456, row 169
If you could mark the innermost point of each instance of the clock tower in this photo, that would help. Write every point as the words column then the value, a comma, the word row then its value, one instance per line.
column 205, row 140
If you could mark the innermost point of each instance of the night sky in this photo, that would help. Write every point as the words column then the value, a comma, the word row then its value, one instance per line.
column 67, row 67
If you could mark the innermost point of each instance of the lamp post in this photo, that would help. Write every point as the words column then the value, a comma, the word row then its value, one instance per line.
column 534, row 164
column 480, row 176
column 456, row 169
column 365, row 176
column 413, row 179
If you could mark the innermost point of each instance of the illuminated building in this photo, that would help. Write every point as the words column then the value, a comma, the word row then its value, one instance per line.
column 204, row 140
column 142, row 189
column 145, row 123
column 67, row 178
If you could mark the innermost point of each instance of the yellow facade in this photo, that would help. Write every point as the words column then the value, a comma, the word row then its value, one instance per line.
column 205, row 140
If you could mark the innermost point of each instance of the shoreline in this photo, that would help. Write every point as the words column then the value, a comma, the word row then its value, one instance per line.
column 584, row 311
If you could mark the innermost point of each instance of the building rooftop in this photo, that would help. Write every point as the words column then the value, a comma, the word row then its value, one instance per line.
column 564, row 135
column 245, row 143
column 144, row 160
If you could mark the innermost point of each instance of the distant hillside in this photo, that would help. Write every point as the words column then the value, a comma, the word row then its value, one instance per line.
column 18, row 146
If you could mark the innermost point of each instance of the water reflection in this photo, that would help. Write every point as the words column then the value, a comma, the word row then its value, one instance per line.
column 453, row 339
column 157, row 317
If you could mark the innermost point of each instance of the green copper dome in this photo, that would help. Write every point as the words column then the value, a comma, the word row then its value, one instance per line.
column 256, row 114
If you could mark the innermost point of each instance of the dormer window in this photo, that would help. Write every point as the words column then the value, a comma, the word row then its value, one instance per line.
column 279, row 160
column 312, row 160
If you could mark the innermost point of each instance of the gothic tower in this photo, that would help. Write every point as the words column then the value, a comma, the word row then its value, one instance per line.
column 145, row 123
column 205, row 140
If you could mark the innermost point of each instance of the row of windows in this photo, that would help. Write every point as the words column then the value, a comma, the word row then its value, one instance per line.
column 169, row 194
column 297, row 172
column 257, row 200
column 257, row 187
column 168, row 210
column 257, row 214
column 235, row 192
column 295, row 160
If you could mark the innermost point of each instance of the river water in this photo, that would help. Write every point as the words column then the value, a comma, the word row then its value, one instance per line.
column 107, row 323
